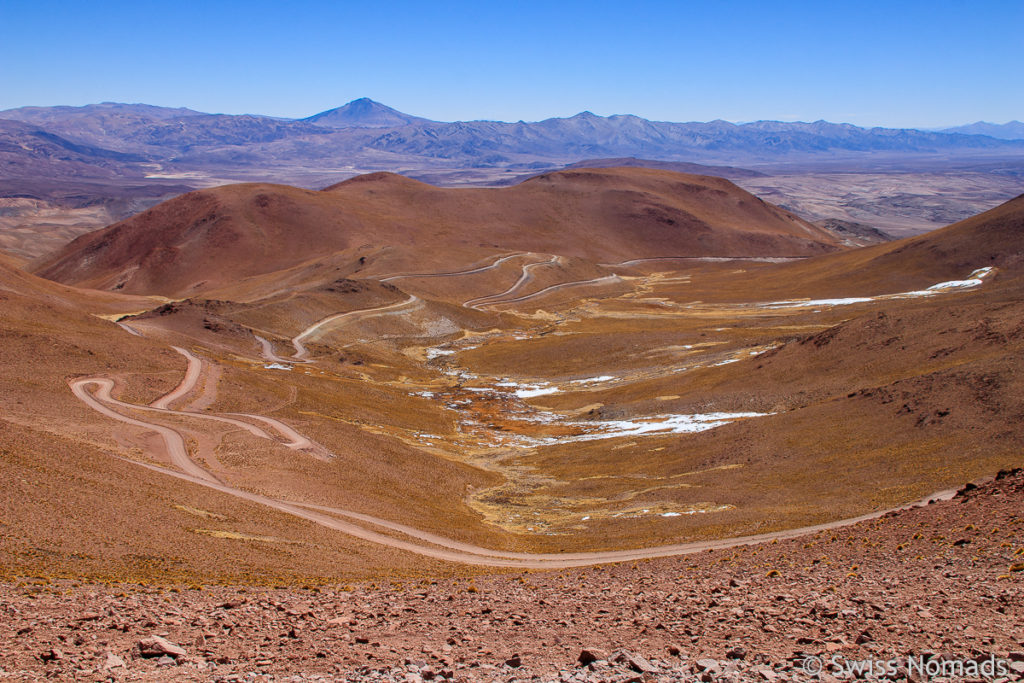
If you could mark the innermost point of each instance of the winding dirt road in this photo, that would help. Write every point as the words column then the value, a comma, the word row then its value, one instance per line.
column 607, row 279
column 523, row 280
column 426, row 544
column 301, row 351
column 174, row 444
column 479, row 269
column 423, row 543
column 708, row 259
column 295, row 440
column 267, row 351
column 128, row 328
column 188, row 382
column 193, row 371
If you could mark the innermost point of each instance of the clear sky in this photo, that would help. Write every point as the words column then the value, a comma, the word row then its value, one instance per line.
column 898, row 63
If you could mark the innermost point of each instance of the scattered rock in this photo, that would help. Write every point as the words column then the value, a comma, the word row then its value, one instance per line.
column 591, row 655
column 112, row 661
column 736, row 653
column 635, row 662
column 905, row 600
column 156, row 646
column 707, row 665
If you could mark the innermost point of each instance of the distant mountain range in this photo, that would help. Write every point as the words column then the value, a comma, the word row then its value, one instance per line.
column 143, row 139
column 1012, row 130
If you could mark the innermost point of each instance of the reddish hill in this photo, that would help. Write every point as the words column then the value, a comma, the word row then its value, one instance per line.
column 993, row 238
column 214, row 237
column 22, row 292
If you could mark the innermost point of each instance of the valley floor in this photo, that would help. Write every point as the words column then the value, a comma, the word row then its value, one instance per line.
column 939, row 583
column 204, row 487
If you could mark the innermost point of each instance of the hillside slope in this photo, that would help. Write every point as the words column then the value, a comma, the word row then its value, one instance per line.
column 993, row 238
column 28, row 151
column 210, row 238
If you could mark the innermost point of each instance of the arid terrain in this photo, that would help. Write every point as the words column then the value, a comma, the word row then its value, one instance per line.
column 897, row 588
column 396, row 431
column 66, row 171
column 902, row 204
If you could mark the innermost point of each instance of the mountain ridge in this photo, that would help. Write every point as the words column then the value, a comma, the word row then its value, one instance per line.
column 1011, row 130
column 365, row 131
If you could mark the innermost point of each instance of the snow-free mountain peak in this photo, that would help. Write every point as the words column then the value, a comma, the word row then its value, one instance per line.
column 364, row 113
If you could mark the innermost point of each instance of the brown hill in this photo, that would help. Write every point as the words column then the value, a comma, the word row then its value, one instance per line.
column 22, row 292
column 211, row 238
column 993, row 238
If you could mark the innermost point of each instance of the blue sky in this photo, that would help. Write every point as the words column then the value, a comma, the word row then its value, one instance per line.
column 921, row 64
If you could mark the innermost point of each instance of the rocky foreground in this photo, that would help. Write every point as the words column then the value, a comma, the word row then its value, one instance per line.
column 932, row 593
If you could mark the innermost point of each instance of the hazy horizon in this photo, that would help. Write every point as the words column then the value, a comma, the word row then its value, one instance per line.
column 414, row 113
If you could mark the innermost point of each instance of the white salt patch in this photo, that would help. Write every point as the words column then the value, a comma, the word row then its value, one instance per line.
column 973, row 280
column 478, row 390
column 424, row 394
column 277, row 366
column 956, row 284
column 594, row 380
column 817, row 302
column 536, row 391
column 436, row 353
column 585, row 518
column 670, row 424
column 726, row 361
